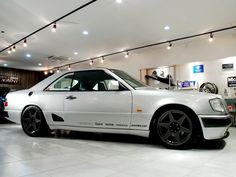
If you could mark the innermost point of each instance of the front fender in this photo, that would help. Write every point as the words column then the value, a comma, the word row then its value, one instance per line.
column 146, row 103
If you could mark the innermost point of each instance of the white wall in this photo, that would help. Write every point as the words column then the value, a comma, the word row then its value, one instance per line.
column 198, row 49
column 212, row 72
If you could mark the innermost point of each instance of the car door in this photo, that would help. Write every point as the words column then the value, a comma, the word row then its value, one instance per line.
column 98, row 100
column 53, row 97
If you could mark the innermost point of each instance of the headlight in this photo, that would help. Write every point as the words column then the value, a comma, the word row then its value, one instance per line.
column 217, row 105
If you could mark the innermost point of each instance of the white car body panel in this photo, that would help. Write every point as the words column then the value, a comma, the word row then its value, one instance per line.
column 98, row 109
column 128, row 112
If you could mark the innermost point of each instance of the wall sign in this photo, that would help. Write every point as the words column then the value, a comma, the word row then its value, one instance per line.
column 187, row 84
column 198, row 69
column 9, row 80
column 231, row 81
column 227, row 66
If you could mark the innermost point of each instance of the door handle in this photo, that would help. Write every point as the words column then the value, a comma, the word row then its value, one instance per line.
column 71, row 97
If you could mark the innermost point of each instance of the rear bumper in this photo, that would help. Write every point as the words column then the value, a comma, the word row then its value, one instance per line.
column 12, row 115
column 215, row 126
column 3, row 113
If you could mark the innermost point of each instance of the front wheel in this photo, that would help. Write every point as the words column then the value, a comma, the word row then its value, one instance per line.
column 33, row 122
column 175, row 129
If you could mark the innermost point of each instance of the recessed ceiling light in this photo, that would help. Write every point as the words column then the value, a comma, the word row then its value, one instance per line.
column 40, row 64
column 167, row 28
column 85, row 32
column 119, row 1
column 5, row 64
column 28, row 55
column 75, row 53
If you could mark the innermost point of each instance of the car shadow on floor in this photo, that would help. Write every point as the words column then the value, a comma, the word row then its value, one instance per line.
column 131, row 139
column 211, row 144
column 3, row 120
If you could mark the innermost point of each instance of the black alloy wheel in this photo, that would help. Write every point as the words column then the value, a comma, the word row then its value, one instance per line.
column 33, row 122
column 175, row 129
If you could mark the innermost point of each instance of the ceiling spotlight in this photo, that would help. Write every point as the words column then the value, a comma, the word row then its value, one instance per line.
column 54, row 28
column 25, row 43
column 119, row 1
column 75, row 53
column 91, row 63
column 5, row 64
column 69, row 68
column 14, row 48
column 211, row 38
column 9, row 51
column 102, row 60
column 39, row 64
column 28, row 55
column 127, row 54
column 51, row 71
column 58, row 70
column 169, row 46
column 45, row 72
column 85, row 32
column 167, row 28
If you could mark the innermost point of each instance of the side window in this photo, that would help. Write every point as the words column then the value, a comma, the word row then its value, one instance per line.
column 112, row 84
column 95, row 80
column 63, row 84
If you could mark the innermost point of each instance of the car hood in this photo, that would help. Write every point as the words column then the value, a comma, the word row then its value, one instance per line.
column 181, row 93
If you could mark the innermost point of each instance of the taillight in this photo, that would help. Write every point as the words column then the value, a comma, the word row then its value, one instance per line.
column 6, row 103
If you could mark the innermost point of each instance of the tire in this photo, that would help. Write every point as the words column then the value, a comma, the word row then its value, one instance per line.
column 33, row 122
column 216, row 88
column 209, row 88
column 175, row 129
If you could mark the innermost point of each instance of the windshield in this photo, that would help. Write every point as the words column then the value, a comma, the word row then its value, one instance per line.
column 131, row 81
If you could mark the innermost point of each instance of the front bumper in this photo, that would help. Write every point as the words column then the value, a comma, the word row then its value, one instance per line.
column 215, row 126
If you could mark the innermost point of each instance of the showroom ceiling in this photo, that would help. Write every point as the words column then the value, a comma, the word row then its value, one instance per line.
column 111, row 27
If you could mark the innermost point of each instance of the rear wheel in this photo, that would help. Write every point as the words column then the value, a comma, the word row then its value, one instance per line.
column 33, row 122
column 175, row 129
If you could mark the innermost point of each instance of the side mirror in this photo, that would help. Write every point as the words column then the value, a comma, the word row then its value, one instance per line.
column 113, row 85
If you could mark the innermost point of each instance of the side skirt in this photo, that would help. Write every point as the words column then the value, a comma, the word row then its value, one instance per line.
column 144, row 133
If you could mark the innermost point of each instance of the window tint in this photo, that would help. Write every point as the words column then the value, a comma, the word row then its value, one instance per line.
column 95, row 80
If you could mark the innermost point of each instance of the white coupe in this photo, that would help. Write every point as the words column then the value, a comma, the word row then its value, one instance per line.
column 110, row 101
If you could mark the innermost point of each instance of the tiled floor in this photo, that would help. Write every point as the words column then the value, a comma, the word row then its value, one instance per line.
column 97, row 155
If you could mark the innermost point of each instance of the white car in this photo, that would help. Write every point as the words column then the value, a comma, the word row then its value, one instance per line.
column 110, row 101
